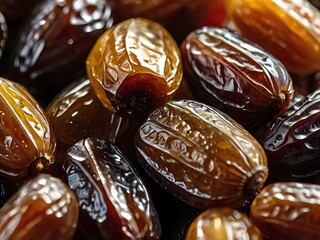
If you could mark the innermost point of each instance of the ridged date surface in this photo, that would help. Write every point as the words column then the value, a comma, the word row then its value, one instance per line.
column 288, row 29
column 288, row 211
column 292, row 144
column 56, row 40
column 201, row 155
column 223, row 224
column 44, row 208
column 134, row 66
column 27, row 143
column 236, row 76
column 113, row 199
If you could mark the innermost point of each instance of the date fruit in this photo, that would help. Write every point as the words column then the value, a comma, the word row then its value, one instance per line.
column 27, row 141
column 134, row 66
column 235, row 76
column 113, row 199
column 57, row 39
column 201, row 155
column 44, row 208
column 288, row 29
column 292, row 144
column 223, row 224
column 288, row 210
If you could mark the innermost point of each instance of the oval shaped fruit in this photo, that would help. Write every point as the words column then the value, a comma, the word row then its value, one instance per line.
column 223, row 224
column 134, row 66
column 288, row 29
column 113, row 200
column 292, row 144
column 288, row 210
column 27, row 141
column 200, row 155
column 235, row 76
column 44, row 208
column 3, row 32
column 57, row 39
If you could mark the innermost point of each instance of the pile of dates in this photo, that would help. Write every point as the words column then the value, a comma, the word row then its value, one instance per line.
column 168, row 119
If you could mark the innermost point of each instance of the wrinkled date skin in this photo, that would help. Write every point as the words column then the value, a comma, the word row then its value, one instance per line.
column 288, row 210
column 44, row 208
column 201, row 155
column 57, row 39
column 3, row 33
column 27, row 141
column 235, row 76
column 289, row 30
column 179, row 16
column 134, row 66
column 223, row 224
column 113, row 200
column 292, row 144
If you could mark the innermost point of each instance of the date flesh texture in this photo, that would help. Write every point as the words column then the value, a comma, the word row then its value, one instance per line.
column 57, row 39
column 113, row 200
column 27, row 142
column 235, row 76
column 200, row 155
column 223, row 224
column 288, row 210
column 292, row 144
column 134, row 66
column 288, row 29
column 44, row 208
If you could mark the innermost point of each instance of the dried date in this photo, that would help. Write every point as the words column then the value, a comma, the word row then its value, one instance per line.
column 289, row 30
column 235, row 76
column 44, row 208
column 288, row 210
column 223, row 224
column 134, row 66
column 27, row 141
column 200, row 155
column 113, row 200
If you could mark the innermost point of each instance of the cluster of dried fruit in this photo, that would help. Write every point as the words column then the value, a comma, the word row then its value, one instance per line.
column 149, row 140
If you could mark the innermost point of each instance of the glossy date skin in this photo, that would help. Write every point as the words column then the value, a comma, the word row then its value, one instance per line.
column 200, row 155
column 288, row 210
column 27, row 142
column 57, row 39
column 43, row 208
column 113, row 200
column 292, row 144
column 134, row 66
column 289, row 30
column 235, row 76
column 223, row 224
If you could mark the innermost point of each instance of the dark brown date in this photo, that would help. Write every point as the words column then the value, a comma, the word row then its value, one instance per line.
column 235, row 76
column 134, row 66
column 200, row 155
column 57, row 39
column 113, row 200
column 27, row 143
column 44, row 208
column 223, row 224
column 288, row 210
column 293, row 142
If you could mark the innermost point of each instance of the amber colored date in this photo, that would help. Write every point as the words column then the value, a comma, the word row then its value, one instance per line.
column 56, row 40
column 44, row 208
column 292, row 144
column 288, row 210
column 200, row 155
column 113, row 200
column 27, row 141
column 287, row 29
column 134, row 66
column 223, row 224
column 235, row 76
